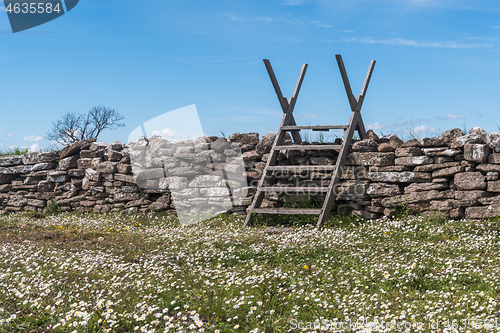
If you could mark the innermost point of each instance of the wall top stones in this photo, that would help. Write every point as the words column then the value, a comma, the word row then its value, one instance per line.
column 456, row 174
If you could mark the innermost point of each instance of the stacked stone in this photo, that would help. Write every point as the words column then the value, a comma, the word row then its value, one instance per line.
column 455, row 174
column 84, row 176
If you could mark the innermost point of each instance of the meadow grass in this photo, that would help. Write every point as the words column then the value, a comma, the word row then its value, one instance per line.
column 145, row 273
column 14, row 151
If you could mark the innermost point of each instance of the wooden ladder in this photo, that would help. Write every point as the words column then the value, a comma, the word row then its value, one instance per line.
column 288, row 125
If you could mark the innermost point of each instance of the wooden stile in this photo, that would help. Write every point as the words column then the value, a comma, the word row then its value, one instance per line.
column 288, row 125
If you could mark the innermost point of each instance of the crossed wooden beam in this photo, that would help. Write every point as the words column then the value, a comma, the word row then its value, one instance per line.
column 288, row 124
column 355, row 102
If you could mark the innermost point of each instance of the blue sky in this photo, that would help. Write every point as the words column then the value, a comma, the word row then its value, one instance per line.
column 437, row 64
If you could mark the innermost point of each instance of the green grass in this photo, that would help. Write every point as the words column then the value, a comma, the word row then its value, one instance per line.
column 110, row 273
column 14, row 151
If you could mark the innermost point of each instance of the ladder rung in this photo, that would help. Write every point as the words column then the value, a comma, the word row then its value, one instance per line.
column 286, row 211
column 315, row 127
column 309, row 147
column 288, row 189
column 301, row 167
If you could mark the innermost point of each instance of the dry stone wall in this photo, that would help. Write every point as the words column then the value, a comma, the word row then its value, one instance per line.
column 456, row 174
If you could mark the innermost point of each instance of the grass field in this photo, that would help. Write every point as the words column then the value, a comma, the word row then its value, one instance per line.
column 112, row 273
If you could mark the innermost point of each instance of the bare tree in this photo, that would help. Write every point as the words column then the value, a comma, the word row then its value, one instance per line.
column 75, row 126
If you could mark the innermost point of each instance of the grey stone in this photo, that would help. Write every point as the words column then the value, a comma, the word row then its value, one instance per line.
column 382, row 189
column 386, row 148
column 75, row 148
column 391, row 177
column 106, row 167
column 370, row 158
column 461, row 141
column 441, row 151
column 68, row 162
column 447, row 172
column 477, row 153
column 11, row 160
column 46, row 186
column 470, row 181
column 15, row 170
column 425, row 142
column 494, row 158
column 413, row 160
column 416, row 197
column 43, row 166
column 450, row 135
column 93, row 175
column 245, row 138
column 420, row 187
column 17, row 201
column 220, row 145
column 35, row 158
column 492, row 176
column 494, row 186
column 482, row 211
column 408, row 151
column 365, row 145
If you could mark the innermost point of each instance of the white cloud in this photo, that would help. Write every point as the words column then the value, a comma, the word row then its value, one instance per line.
column 454, row 116
column 7, row 140
column 423, row 128
column 307, row 116
column 33, row 138
column 411, row 42
column 375, row 126
column 169, row 134
column 1, row 130
column 420, row 128
column 10, row 135
column 35, row 147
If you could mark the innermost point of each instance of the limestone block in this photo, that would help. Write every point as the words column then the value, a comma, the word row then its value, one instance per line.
column 441, row 151
column 75, row 147
column 245, row 138
column 46, row 186
column 470, row 181
column 34, row 158
column 386, row 148
column 494, row 186
column 461, row 141
column 482, row 211
column 382, row 189
column 366, row 145
column 420, row 187
column 447, row 172
column 494, row 158
column 370, row 158
column 68, row 162
column 450, row 135
column 93, row 175
column 477, row 153
column 425, row 142
column 11, row 160
column 414, row 160
column 408, row 151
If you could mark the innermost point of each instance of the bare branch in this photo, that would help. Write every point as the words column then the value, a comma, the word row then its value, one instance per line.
column 74, row 127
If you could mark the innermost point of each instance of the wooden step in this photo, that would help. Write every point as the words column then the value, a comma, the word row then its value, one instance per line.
column 309, row 147
column 308, row 211
column 290, row 189
column 299, row 168
column 314, row 127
